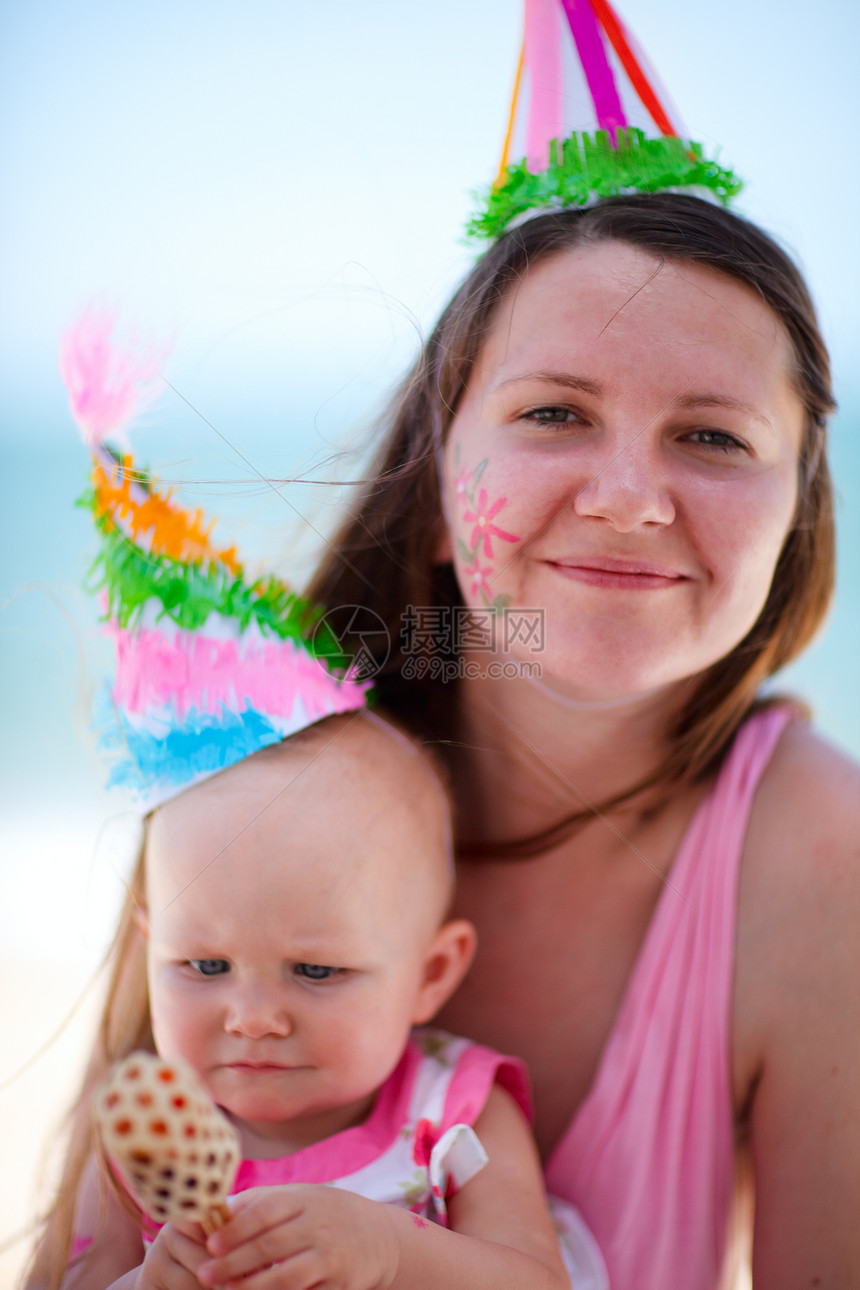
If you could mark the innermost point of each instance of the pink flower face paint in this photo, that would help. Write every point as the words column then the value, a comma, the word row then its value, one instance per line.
column 479, row 510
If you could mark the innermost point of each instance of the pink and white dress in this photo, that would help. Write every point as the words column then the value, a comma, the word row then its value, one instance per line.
column 417, row 1146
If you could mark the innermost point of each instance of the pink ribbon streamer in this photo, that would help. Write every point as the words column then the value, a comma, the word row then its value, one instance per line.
column 543, row 59
column 592, row 54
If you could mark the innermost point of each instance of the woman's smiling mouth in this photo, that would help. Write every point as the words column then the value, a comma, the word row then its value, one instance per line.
column 621, row 575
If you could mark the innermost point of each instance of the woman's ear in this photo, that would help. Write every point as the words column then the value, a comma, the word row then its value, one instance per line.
column 141, row 921
column 446, row 963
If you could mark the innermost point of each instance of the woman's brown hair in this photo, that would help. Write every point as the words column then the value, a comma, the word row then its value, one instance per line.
column 383, row 557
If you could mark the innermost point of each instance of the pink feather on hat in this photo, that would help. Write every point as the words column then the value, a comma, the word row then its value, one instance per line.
column 108, row 383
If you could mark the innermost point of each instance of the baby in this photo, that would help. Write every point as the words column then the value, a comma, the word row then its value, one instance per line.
column 295, row 930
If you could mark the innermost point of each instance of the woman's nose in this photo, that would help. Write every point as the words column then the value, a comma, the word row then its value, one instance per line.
column 628, row 488
column 256, row 1010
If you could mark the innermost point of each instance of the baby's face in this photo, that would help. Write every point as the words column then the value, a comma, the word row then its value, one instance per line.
column 294, row 905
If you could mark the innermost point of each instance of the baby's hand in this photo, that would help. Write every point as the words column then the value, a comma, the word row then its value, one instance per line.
column 298, row 1236
column 174, row 1259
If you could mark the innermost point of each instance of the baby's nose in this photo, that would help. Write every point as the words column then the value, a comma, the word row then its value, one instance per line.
column 256, row 1010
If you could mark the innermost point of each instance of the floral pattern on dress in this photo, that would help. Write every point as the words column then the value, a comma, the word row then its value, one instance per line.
column 435, row 1044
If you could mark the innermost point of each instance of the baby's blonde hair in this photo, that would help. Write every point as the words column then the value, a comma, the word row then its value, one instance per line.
column 124, row 1026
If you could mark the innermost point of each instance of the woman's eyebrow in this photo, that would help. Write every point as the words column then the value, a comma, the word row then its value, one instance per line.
column 693, row 401
column 581, row 383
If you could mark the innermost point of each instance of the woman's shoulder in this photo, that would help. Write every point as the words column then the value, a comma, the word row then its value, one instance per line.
column 795, row 1041
column 809, row 793
column 799, row 895
column 802, row 849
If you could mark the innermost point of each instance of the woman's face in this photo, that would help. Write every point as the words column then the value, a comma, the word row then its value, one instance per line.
column 625, row 459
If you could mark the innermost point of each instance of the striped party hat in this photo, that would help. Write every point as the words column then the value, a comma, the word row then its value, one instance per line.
column 211, row 665
column 589, row 119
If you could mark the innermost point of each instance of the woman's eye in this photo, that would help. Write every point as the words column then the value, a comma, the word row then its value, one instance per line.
column 551, row 416
column 316, row 971
column 210, row 967
column 720, row 439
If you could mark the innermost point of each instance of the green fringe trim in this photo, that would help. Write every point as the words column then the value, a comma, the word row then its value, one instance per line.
column 585, row 166
column 189, row 593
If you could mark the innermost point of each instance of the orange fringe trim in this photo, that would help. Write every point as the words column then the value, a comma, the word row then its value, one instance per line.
column 170, row 530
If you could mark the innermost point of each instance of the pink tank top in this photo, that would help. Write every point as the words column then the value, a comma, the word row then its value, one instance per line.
column 649, row 1157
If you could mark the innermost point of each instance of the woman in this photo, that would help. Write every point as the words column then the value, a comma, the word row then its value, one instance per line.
column 615, row 439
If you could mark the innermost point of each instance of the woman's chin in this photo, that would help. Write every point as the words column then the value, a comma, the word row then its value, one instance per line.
column 609, row 685
column 599, row 693
column 594, row 672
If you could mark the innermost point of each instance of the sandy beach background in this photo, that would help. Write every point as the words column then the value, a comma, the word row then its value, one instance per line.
column 281, row 189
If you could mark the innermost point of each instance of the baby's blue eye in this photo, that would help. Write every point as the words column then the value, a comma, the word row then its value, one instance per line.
column 315, row 971
column 210, row 967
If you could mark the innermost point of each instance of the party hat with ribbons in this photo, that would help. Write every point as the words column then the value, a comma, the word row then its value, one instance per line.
column 211, row 664
column 589, row 119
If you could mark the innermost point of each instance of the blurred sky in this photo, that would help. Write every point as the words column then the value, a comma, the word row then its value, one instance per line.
column 281, row 188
